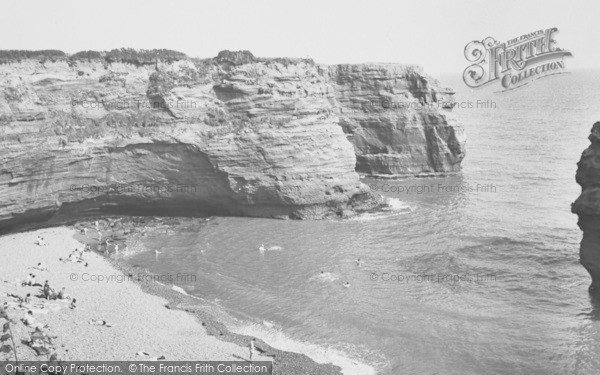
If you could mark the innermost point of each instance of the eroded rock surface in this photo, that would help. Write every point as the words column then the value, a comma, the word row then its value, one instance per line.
column 398, row 119
column 587, row 207
column 234, row 135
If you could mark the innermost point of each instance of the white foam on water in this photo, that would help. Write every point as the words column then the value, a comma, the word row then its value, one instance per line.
column 394, row 207
column 325, row 277
column 179, row 290
column 395, row 204
column 320, row 354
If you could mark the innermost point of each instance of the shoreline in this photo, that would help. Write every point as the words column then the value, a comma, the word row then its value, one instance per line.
column 207, row 320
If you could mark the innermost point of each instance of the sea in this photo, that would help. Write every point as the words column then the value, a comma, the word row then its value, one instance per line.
column 475, row 273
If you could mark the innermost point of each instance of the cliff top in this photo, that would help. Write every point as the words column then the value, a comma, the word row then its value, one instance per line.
column 126, row 55
column 138, row 57
column 148, row 57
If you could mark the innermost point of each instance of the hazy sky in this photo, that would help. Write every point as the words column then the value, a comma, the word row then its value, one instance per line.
column 429, row 33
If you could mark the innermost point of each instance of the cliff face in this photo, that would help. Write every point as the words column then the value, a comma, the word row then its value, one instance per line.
column 587, row 207
column 397, row 119
column 231, row 135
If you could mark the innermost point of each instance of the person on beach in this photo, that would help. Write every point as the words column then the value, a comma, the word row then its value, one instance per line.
column 347, row 285
column 47, row 291
column 30, row 321
column 25, row 301
column 72, row 306
column 251, row 347
column 40, row 241
column 29, row 280
column 62, row 294
column 34, row 281
column 40, row 267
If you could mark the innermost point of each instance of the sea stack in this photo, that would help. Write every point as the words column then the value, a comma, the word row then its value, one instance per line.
column 587, row 207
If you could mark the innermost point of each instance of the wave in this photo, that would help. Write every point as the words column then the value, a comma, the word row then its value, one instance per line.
column 393, row 207
column 396, row 205
column 273, row 336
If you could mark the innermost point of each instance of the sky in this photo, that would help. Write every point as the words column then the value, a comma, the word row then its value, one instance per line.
column 429, row 33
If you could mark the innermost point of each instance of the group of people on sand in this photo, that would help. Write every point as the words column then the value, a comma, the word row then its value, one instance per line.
column 40, row 241
column 39, row 340
column 50, row 294
column 76, row 256
column 104, row 244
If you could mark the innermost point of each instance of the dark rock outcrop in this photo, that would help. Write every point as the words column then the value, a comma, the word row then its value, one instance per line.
column 155, row 132
column 587, row 207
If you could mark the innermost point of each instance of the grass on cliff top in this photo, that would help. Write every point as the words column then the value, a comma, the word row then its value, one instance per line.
column 124, row 55
column 8, row 56
column 246, row 57
column 143, row 57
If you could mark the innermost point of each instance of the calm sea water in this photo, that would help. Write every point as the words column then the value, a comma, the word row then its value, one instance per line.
column 452, row 282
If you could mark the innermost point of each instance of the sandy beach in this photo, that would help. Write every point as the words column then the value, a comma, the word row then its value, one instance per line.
column 139, row 322
column 119, row 313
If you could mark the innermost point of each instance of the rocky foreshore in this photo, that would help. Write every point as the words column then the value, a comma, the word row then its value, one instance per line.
column 157, row 132
column 587, row 207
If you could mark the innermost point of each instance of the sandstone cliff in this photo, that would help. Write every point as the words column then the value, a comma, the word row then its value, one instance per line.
column 157, row 132
column 398, row 119
column 587, row 207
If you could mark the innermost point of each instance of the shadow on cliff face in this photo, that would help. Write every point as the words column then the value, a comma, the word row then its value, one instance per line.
column 587, row 207
column 73, row 212
column 595, row 302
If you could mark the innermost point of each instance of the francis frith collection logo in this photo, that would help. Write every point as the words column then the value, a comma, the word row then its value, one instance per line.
column 514, row 63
